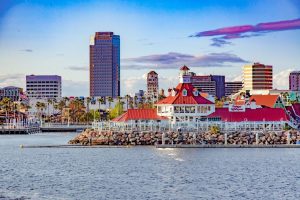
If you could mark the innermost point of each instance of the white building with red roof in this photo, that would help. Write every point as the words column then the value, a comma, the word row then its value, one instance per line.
column 186, row 107
column 185, row 103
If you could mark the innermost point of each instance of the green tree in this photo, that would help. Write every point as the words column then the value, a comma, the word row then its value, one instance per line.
column 214, row 129
column 6, row 105
column 116, row 111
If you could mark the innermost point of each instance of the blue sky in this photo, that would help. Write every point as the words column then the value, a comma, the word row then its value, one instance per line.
column 52, row 37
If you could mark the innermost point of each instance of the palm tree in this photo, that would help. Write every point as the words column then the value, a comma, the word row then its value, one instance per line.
column 110, row 100
column 135, row 101
column 88, row 101
column 61, row 105
column 119, row 102
column 6, row 106
column 49, row 102
column 127, row 97
column 100, row 101
column 142, row 102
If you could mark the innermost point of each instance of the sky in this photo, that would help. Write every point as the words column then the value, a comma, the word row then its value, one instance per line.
column 209, row 36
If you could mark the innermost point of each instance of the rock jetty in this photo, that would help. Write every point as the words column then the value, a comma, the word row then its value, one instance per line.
column 92, row 137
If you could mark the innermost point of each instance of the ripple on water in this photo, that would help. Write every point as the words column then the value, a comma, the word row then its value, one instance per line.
column 144, row 172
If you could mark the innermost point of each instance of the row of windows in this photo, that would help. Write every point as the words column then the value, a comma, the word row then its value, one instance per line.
column 42, row 82
column 184, row 109
column 42, row 86
column 40, row 89
column 43, row 93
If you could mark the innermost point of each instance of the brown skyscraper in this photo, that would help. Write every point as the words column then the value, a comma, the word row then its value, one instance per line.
column 105, row 65
column 152, row 85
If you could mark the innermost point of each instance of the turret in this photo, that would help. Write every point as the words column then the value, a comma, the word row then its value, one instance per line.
column 184, row 75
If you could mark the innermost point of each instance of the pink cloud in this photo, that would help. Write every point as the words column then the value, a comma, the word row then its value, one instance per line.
column 245, row 31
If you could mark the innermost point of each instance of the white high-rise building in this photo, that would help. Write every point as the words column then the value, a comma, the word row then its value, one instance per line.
column 258, row 77
column 43, row 86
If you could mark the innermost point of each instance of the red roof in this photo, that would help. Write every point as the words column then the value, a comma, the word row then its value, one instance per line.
column 189, row 99
column 139, row 114
column 259, row 114
column 265, row 100
column 185, row 68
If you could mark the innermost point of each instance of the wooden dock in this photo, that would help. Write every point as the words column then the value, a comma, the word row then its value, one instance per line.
column 226, row 146
column 19, row 131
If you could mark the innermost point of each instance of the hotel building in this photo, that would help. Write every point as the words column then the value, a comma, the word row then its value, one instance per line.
column 258, row 77
column 294, row 81
column 233, row 87
column 211, row 84
column 43, row 86
column 152, row 85
column 105, row 65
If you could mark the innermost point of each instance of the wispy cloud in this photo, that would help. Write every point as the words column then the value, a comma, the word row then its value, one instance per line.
column 173, row 60
column 27, row 50
column 245, row 31
column 281, row 79
column 12, row 80
column 78, row 68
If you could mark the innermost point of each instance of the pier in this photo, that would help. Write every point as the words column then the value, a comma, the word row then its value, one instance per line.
column 204, row 146
column 52, row 127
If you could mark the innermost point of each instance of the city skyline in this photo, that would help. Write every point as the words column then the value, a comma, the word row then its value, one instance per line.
column 54, row 39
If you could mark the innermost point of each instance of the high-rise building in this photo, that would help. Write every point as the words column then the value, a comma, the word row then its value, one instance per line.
column 211, row 84
column 233, row 87
column 220, row 85
column 43, row 86
column 294, row 81
column 204, row 84
column 258, row 77
column 152, row 85
column 105, row 65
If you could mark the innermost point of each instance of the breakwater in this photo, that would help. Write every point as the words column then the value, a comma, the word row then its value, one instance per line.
column 92, row 137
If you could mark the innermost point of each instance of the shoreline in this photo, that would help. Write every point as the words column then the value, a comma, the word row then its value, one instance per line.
column 164, row 146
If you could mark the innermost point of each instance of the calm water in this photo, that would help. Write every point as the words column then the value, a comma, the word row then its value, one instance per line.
column 144, row 172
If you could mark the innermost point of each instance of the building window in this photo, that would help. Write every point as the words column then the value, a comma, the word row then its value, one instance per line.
column 184, row 92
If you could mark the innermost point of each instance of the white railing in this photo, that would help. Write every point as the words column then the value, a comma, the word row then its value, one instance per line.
column 192, row 126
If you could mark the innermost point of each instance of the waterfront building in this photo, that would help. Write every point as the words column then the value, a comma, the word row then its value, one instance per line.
column 186, row 109
column 232, row 88
column 211, row 84
column 294, row 81
column 43, row 86
column 257, row 77
column 184, row 103
column 105, row 65
column 152, row 86
column 11, row 92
